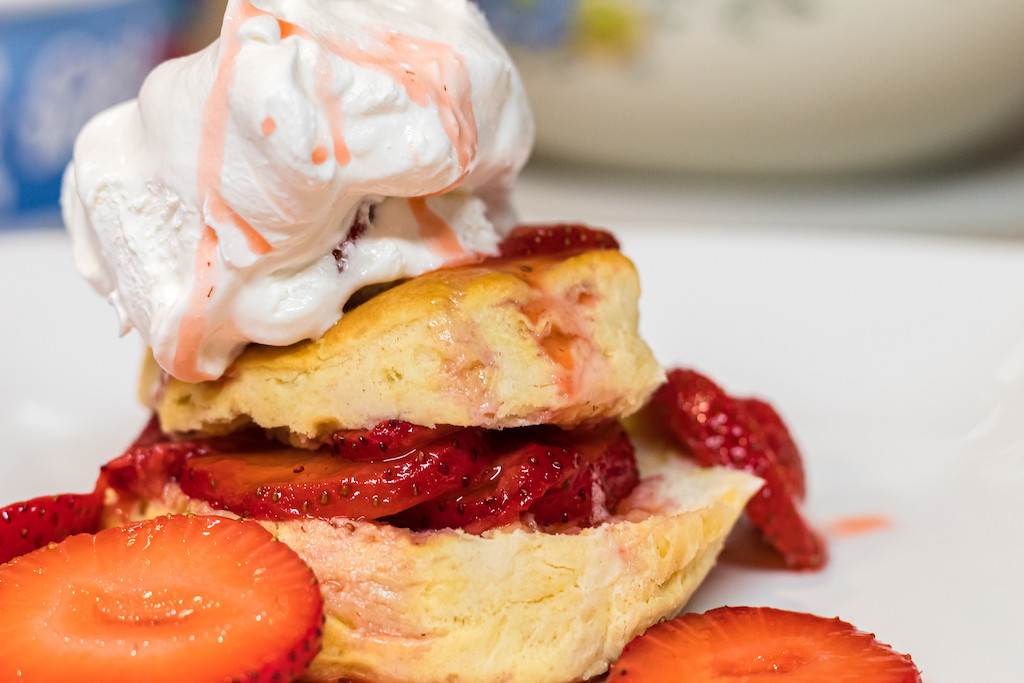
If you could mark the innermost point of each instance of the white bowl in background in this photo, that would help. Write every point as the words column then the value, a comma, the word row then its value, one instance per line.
column 793, row 86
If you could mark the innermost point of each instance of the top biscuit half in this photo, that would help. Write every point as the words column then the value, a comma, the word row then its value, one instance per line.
column 504, row 343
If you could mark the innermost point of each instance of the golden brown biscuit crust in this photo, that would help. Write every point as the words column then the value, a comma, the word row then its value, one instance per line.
column 501, row 344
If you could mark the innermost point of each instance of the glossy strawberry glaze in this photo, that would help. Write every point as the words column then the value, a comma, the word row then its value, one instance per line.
column 408, row 476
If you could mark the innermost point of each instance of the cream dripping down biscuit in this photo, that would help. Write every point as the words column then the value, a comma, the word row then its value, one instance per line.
column 316, row 147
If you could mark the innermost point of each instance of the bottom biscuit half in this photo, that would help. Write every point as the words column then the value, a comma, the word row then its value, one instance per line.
column 513, row 605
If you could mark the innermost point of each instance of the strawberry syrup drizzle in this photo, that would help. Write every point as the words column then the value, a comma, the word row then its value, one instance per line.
column 435, row 232
column 429, row 71
column 328, row 98
column 859, row 525
column 212, row 144
column 190, row 330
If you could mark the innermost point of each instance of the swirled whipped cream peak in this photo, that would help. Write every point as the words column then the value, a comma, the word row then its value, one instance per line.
column 318, row 146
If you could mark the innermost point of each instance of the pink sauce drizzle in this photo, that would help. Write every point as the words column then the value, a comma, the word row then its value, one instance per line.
column 209, row 178
column 190, row 330
column 430, row 72
column 436, row 234
column 410, row 65
column 329, row 100
column 859, row 525
column 212, row 141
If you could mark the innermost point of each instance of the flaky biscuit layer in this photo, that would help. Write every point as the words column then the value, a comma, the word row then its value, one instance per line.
column 502, row 344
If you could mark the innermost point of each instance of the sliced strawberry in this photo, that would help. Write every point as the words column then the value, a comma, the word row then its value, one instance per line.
column 561, row 477
column 537, row 240
column 389, row 439
column 411, row 475
column 717, row 429
column 48, row 519
column 779, row 440
column 759, row 643
column 290, row 483
column 198, row 599
column 144, row 470
column 606, row 474
column 154, row 459
column 512, row 483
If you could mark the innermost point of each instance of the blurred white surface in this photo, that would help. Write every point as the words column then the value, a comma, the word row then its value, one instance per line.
column 982, row 199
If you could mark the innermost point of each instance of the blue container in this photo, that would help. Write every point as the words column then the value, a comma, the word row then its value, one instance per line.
column 61, row 62
column 530, row 23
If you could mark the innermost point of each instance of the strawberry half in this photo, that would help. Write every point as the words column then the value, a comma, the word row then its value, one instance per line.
column 743, row 644
column 198, row 599
column 48, row 519
column 538, row 240
column 717, row 429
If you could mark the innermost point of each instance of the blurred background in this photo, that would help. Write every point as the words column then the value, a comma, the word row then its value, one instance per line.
column 784, row 113
column 863, row 113
column 61, row 61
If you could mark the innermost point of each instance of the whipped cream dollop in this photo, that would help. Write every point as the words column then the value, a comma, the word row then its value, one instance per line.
column 316, row 147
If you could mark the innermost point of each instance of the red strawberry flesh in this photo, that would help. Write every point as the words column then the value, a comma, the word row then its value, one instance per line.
column 388, row 439
column 507, row 487
column 172, row 599
column 717, row 429
column 408, row 475
column 291, row 483
column 48, row 519
column 742, row 644
column 144, row 470
column 778, row 439
column 606, row 473
column 538, row 240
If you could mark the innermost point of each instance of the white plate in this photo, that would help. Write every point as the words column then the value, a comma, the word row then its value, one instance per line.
column 898, row 361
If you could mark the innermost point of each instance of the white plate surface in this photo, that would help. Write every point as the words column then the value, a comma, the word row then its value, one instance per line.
column 897, row 360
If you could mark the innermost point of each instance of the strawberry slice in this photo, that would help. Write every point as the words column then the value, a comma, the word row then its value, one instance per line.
column 759, row 643
column 152, row 460
column 606, row 474
column 290, row 483
column 717, row 429
column 573, row 477
column 144, row 470
column 48, row 519
column 791, row 465
column 198, row 599
column 510, row 485
column 410, row 475
column 537, row 240
column 388, row 439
